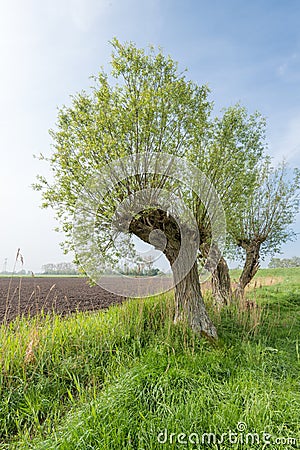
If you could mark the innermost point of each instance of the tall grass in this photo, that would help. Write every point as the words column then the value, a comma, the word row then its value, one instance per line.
column 116, row 379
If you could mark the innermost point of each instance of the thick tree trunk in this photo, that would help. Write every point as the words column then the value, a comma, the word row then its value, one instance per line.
column 190, row 304
column 250, row 268
column 220, row 282
column 188, row 296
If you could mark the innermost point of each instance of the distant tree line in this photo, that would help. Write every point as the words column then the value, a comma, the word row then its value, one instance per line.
column 140, row 267
column 19, row 272
column 59, row 269
column 141, row 272
column 284, row 262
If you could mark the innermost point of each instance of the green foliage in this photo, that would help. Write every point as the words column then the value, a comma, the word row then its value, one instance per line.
column 146, row 105
column 266, row 217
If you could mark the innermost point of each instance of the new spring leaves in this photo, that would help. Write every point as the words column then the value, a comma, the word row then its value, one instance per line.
column 141, row 154
column 136, row 188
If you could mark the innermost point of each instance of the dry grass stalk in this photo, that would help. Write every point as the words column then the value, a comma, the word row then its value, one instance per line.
column 29, row 353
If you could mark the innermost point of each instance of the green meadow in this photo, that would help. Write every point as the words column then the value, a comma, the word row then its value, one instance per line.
column 129, row 378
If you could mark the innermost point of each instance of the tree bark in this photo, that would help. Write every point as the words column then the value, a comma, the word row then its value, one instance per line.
column 250, row 268
column 190, row 304
column 188, row 296
column 220, row 282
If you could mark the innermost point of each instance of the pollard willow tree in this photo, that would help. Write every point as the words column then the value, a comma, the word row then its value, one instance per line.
column 232, row 162
column 146, row 105
column 263, row 223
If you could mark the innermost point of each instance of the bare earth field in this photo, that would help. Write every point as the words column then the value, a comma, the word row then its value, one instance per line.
column 28, row 296
column 64, row 295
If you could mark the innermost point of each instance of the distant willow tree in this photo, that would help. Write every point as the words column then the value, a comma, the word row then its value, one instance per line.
column 146, row 105
column 264, row 222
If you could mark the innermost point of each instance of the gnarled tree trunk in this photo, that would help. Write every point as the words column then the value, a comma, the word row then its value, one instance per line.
column 190, row 304
column 220, row 282
column 250, row 268
column 188, row 296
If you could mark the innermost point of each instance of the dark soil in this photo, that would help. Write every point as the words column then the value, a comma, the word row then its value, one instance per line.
column 29, row 296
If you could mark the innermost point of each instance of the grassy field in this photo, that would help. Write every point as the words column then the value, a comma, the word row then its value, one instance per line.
column 129, row 378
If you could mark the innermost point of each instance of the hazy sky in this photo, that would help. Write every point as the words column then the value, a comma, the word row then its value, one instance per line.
column 245, row 51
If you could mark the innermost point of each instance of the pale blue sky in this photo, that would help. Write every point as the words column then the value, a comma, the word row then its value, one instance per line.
column 245, row 51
